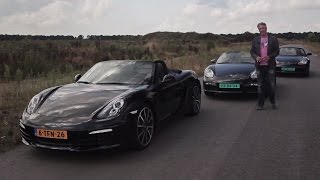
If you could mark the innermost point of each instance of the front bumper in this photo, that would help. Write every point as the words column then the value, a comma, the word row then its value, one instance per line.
column 292, row 69
column 78, row 140
column 246, row 86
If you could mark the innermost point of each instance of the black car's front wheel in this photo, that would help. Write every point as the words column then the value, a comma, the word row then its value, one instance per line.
column 194, row 103
column 144, row 125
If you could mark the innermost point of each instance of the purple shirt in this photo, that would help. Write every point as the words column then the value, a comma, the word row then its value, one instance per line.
column 264, row 50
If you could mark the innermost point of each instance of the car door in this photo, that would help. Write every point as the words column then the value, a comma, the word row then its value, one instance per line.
column 167, row 96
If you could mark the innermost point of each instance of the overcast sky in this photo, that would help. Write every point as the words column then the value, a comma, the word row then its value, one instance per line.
column 132, row 17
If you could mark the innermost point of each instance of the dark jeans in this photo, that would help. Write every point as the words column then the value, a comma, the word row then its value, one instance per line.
column 266, row 84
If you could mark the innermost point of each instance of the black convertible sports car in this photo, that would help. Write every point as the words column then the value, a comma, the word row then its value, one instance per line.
column 293, row 59
column 232, row 72
column 115, row 102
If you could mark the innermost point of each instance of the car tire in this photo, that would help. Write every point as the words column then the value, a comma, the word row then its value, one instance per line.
column 194, row 100
column 143, row 128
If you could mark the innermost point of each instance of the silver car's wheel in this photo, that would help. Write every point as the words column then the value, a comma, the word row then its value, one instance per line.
column 145, row 127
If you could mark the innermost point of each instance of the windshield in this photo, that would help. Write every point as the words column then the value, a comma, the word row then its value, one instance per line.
column 291, row 51
column 119, row 72
column 235, row 58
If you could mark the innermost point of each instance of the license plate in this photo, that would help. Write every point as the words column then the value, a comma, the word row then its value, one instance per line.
column 225, row 85
column 54, row 134
column 288, row 69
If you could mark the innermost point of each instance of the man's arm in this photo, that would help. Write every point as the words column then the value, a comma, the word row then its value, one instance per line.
column 276, row 50
column 253, row 52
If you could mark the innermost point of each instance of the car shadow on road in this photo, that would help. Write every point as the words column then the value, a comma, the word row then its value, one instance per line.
column 233, row 97
column 312, row 74
column 118, row 154
column 86, row 156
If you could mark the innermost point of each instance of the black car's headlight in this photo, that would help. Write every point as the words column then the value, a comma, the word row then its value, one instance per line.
column 112, row 110
column 254, row 75
column 303, row 61
column 33, row 104
column 208, row 73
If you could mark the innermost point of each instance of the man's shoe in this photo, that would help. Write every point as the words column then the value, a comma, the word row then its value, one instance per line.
column 274, row 106
column 258, row 108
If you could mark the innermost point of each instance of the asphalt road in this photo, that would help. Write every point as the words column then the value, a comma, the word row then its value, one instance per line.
column 229, row 139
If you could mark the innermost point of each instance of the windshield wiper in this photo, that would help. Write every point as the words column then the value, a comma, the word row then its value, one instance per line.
column 223, row 63
column 84, row 82
column 113, row 83
column 247, row 62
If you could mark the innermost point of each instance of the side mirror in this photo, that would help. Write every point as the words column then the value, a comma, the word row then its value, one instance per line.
column 309, row 54
column 168, row 78
column 77, row 77
column 213, row 61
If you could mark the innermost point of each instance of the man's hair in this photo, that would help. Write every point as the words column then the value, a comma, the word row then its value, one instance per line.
column 261, row 23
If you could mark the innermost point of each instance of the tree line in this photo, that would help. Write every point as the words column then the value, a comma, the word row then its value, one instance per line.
column 246, row 36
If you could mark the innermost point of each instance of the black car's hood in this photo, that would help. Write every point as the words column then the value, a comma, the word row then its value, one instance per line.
column 79, row 100
column 289, row 58
column 221, row 70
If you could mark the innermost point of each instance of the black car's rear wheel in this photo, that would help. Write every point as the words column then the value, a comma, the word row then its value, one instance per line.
column 194, row 103
column 143, row 128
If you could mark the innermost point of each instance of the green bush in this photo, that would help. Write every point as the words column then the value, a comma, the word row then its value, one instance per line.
column 7, row 72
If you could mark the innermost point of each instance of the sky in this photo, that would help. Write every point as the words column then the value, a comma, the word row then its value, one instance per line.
column 140, row 17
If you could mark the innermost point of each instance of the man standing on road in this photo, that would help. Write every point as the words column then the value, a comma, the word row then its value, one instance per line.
column 264, row 50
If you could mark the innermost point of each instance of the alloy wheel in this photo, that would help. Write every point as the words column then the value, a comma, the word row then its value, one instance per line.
column 196, row 99
column 145, row 126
